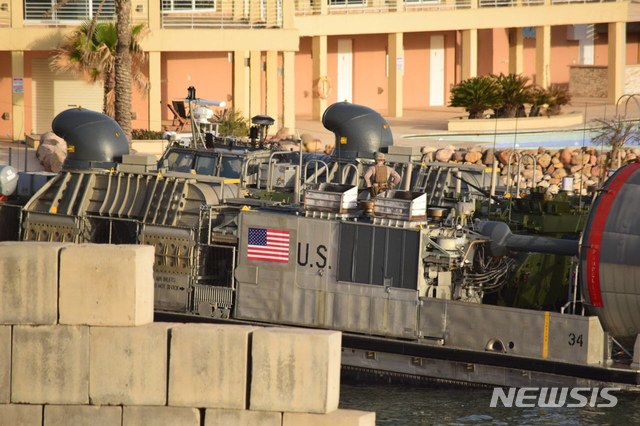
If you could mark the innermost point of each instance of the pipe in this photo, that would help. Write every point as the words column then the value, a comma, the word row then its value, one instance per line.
column 503, row 241
column 494, row 181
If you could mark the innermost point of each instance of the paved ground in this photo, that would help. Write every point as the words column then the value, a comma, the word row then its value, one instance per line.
column 415, row 121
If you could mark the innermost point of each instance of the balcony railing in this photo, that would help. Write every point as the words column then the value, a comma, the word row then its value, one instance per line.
column 5, row 15
column 315, row 7
column 509, row 3
column 221, row 13
column 47, row 12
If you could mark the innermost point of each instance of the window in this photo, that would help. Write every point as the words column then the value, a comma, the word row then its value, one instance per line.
column 180, row 161
column 79, row 10
column 338, row 3
column 205, row 165
column 188, row 5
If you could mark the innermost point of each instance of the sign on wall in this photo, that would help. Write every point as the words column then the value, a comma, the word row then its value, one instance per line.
column 18, row 85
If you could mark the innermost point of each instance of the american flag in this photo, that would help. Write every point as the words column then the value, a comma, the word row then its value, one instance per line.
column 269, row 245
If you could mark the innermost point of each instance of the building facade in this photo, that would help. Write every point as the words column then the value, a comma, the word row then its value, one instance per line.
column 292, row 58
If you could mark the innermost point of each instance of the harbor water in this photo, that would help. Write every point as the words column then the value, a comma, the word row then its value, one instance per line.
column 408, row 405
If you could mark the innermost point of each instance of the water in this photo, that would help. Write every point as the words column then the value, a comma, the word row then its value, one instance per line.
column 410, row 405
column 523, row 140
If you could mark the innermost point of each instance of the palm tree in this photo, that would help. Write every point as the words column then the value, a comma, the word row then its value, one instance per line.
column 558, row 97
column 515, row 93
column 615, row 132
column 91, row 51
column 539, row 98
column 123, row 66
column 476, row 95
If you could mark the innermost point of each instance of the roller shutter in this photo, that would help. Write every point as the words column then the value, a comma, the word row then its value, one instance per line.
column 53, row 92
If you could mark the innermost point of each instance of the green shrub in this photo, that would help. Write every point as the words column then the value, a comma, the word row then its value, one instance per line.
column 476, row 95
column 558, row 97
column 232, row 123
column 144, row 134
column 514, row 93
column 539, row 98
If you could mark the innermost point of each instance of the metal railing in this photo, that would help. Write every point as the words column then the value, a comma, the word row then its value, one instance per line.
column 47, row 12
column 421, row 5
column 314, row 7
column 509, row 3
column 5, row 13
column 221, row 13
column 580, row 1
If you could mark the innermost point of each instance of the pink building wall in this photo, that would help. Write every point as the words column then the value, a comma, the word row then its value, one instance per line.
column 5, row 95
column 210, row 72
column 417, row 63
column 140, row 103
column 303, row 84
column 370, row 82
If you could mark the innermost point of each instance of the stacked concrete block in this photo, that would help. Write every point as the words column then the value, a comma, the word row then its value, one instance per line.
column 65, row 415
column 206, row 361
column 129, row 365
column 78, row 347
column 218, row 417
column 335, row 418
column 160, row 416
column 20, row 415
column 50, row 365
column 295, row 370
column 5, row 364
column 106, row 285
column 29, row 285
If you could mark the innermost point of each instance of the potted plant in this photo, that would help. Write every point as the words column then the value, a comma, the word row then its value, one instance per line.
column 476, row 95
column 514, row 92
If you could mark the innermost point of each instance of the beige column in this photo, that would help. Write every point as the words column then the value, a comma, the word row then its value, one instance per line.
column 255, row 80
column 543, row 56
column 399, row 5
column 238, row 9
column 288, row 90
column 17, row 99
column 17, row 13
column 469, row 54
column 272, row 14
column 272, row 88
column 155, row 14
column 319, row 54
column 155, row 91
column 240, row 82
column 324, row 8
column 516, row 51
column 396, row 73
column 254, row 11
column 289, row 13
column 617, row 60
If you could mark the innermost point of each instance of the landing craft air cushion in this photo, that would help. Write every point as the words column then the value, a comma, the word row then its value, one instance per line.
column 411, row 292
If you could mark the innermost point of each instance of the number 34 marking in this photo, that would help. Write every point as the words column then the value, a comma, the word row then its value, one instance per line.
column 575, row 340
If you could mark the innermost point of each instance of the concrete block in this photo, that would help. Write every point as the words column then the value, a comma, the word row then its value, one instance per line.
column 218, row 417
column 20, row 415
column 104, row 284
column 29, row 284
column 208, row 365
column 50, row 364
column 295, row 370
column 160, row 416
column 129, row 365
column 335, row 418
column 5, row 364
column 80, row 415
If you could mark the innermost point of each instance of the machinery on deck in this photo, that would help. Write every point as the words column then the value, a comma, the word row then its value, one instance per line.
column 409, row 283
